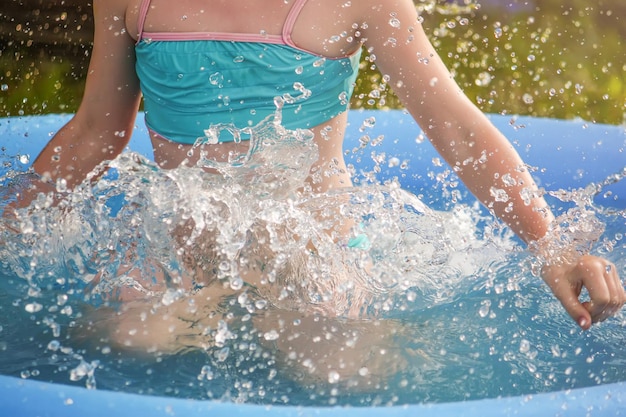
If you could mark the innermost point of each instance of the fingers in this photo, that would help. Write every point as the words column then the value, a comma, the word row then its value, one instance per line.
column 599, row 277
column 606, row 291
column 568, row 296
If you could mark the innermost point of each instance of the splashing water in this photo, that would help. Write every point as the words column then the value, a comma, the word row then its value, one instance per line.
column 255, row 291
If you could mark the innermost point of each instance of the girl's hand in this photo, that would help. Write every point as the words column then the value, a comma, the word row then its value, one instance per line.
column 599, row 276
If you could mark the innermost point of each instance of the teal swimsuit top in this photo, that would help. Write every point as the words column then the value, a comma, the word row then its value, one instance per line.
column 191, row 81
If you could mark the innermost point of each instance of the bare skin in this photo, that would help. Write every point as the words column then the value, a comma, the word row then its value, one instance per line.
column 475, row 149
column 309, row 348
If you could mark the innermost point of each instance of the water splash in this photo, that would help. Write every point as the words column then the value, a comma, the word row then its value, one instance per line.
column 575, row 232
column 161, row 233
column 217, row 269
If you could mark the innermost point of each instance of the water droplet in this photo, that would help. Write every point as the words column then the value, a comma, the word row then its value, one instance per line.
column 4, row 87
column 374, row 93
column 271, row 335
column 206, row 373
column 243, row 298
column 368, row 123
column 421, row 59
column 238, row 59
column 528, row 99
column 333, row 377
column 62, row 299
column 524, row 346
column 484, row 79
column 84, row 369
column 216, row 78
column 508, row 180
column 170, row 296
column 222, row 354
column 483, row 311
column 236, row 283
column 499, row 194
column 343, row 98
column 54, row 345
column 33, row 307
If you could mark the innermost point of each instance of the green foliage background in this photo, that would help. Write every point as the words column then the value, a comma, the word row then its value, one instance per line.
column 546, row 58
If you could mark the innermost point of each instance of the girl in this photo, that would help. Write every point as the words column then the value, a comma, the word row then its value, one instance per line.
column 200, row 62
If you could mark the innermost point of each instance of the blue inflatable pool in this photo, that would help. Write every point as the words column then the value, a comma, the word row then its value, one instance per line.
column 567, row 154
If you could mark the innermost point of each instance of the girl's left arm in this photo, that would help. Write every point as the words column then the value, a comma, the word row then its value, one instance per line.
column 479, row 154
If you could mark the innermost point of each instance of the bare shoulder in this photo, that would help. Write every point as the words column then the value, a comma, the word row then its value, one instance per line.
column 338, row 27
column 377, row 10
column 378, row 19
column 390, row 23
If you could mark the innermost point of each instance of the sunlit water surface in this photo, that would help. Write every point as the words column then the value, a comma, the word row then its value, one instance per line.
column 448, row 300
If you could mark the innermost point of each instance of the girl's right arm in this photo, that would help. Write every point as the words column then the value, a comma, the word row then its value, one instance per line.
column 102, row 126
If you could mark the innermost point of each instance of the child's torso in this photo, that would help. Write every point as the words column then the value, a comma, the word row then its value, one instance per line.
column 192, row 79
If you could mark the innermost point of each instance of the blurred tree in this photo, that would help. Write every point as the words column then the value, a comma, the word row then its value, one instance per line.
column 534, row 57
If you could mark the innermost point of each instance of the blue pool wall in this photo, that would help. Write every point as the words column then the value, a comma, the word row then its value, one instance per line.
column 27, row 398
column 564, row 154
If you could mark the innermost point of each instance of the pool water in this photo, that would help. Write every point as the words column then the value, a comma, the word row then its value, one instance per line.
column 433, row 306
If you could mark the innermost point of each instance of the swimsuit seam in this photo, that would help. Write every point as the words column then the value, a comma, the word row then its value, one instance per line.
column 294, row 47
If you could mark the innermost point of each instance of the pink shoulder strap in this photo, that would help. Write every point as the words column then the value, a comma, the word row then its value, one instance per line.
column 141, row 19
column 291, row 20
